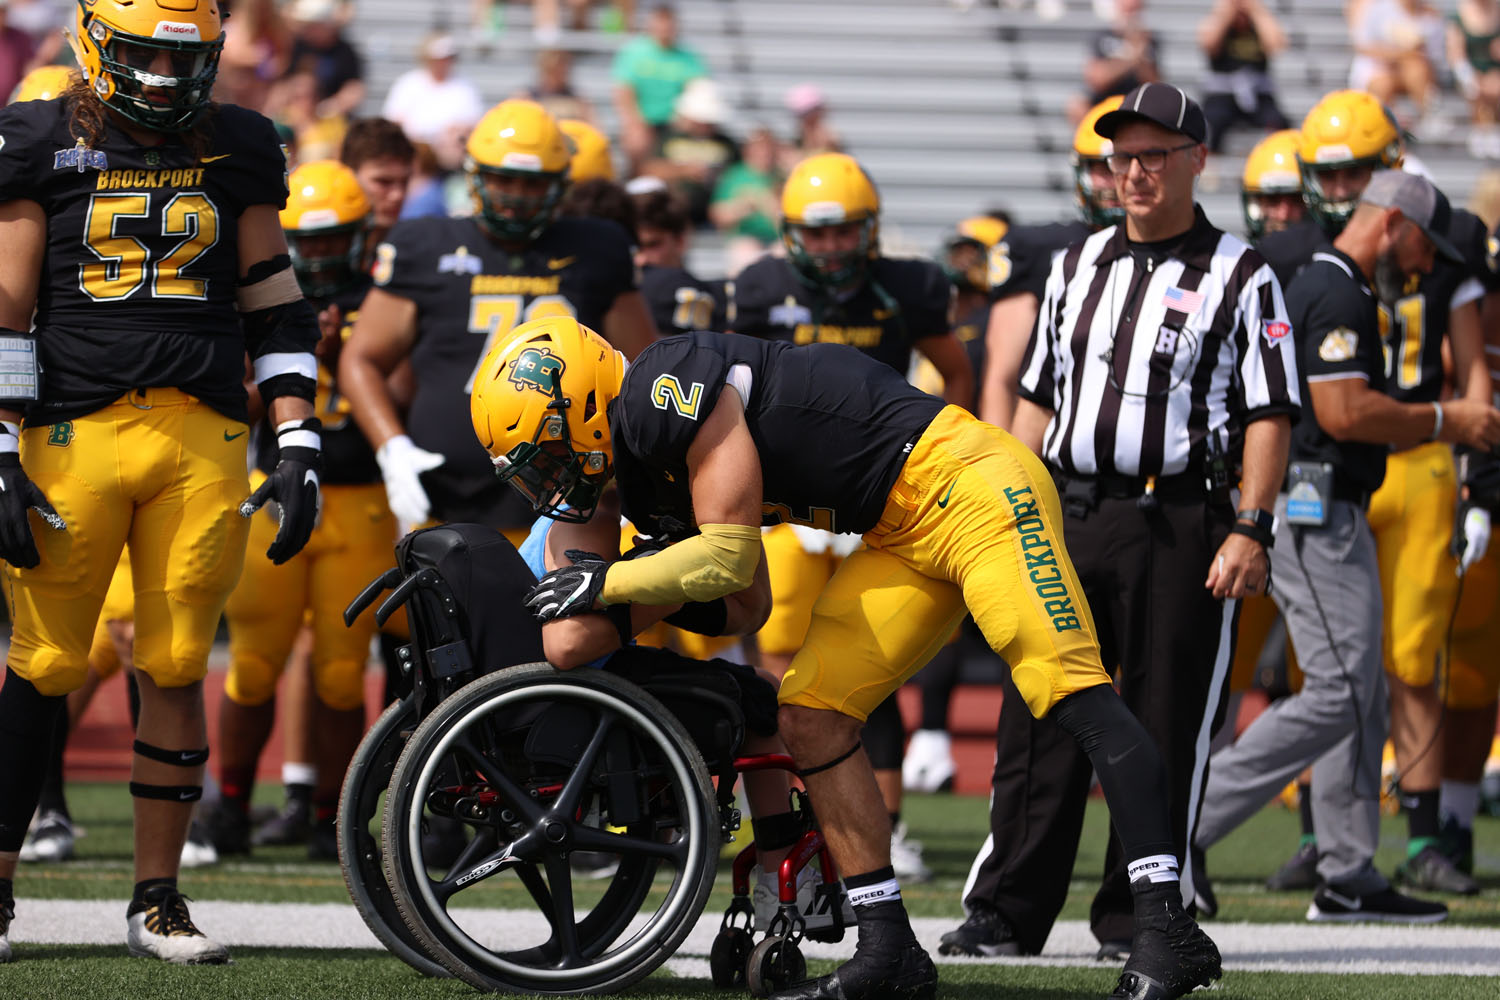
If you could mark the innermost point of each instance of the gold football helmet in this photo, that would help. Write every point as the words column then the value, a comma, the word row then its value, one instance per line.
column 517, row 139
column 539, row 407
column 966, row 252
column 1347, row 129
column 591, row 153
column 1271, row 172
column 118, row 44
column 43, row 84
column 829, row 190
column 326, row 219
column 1093, row 184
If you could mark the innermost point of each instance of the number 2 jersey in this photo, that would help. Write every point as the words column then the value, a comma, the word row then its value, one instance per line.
column 138, row 282
column 470, row 293
column 833, row 426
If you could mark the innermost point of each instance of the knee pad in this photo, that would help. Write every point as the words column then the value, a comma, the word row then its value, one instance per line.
column 340, row 684
column 251, row 681
column 884, row 736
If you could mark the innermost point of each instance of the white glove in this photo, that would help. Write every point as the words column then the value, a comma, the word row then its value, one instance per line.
column 1476, row 531
column 401, row 466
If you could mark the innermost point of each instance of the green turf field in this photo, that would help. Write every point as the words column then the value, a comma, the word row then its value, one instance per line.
column 950, row 827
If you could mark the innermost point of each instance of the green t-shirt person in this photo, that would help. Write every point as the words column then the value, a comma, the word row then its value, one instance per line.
column 656, row 75
column 743, row 179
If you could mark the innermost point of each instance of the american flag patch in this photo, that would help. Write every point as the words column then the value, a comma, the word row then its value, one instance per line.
column 1182, row 299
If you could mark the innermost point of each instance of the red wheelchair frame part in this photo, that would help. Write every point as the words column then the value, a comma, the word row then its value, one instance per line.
column 808, row 846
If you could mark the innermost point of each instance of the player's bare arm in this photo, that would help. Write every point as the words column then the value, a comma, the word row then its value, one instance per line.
column 628, row 325
column 1471, row 373
column 952, row 363
column 1011, row 321
column 382, row 337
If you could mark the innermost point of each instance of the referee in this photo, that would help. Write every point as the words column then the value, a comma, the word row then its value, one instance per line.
column 1160, row 367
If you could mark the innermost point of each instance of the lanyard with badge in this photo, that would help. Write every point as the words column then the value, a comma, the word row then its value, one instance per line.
column 1309, row 493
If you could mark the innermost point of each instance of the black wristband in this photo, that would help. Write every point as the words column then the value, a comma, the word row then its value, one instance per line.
column 702, row 617
column 1256, row 531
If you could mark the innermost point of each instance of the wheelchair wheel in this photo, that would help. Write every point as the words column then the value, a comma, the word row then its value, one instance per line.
column 539, row 764
column 360, row 806
column 775, row 964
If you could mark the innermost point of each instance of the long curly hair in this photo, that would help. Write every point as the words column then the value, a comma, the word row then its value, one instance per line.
column 87, row 117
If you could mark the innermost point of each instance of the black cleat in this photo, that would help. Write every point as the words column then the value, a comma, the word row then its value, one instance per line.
column 292, row 825
column 874, row 973
column 1431, row 870
column 1170, row 955
column 228, row 827
column 985, row 934
column 1299, row 872
column 323, row 841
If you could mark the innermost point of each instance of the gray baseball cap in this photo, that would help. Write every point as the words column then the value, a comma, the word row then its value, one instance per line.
column 1420, row 201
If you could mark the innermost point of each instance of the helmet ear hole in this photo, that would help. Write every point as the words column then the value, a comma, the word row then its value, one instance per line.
column 590, row 405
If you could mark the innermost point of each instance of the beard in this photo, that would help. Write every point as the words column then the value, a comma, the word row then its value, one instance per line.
column 1390, row 280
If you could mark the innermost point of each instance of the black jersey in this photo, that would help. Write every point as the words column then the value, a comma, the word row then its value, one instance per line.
column 1021, row 262
column 914, row 300
column 832, row 426
column 1336, row 323
column 1290, row 250
column 469, row 293
column 138, row 283
column 970, row 329
column 681, row 302
column 348, row 459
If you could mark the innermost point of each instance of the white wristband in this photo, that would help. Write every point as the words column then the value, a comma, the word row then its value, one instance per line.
column 1437, row 421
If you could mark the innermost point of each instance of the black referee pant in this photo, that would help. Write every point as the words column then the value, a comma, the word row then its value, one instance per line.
column 1142, row 572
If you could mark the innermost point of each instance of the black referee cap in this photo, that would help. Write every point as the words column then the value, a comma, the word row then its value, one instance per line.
column 1161, row 104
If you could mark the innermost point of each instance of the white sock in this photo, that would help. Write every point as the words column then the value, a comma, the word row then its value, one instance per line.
column 1459, row 799
column 298, row 774
column 880, row 892
column 1157, row 868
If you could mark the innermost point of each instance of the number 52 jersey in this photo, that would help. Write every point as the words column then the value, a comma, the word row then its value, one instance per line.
column 138, row 283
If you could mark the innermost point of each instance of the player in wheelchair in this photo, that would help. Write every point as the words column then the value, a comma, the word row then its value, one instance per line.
column 536, row 764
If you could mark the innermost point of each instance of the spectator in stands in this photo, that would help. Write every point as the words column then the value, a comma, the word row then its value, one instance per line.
column 381, row 157
column 17, row 53
column 815, row 135
column 694, row 150
column 1121, row 58
column 1474, row 56
column 255, row 54
column 432, row 105
column 1239, row 37
column 425, row 194
column 1393, row 41
column 553, row 89
column 319, row 48
column 298, row 108
column 746, row 202
column 650, row 73
column 40, row 20
column 547, row 20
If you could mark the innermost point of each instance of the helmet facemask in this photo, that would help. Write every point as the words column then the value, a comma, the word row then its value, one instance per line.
column 556, row 480
column 838, row 269
column 532, row 213
column 1331, row 211
column 324, row 274
column 125, row 73
column 1099, row 206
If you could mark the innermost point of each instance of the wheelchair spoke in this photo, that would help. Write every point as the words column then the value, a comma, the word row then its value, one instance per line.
column 674, row 851
column 537, row 886
column 564, row 927
column 462, row 875
column 572, row 792
column 511, row 793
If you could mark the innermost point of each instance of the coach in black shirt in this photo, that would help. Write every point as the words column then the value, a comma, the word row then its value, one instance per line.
column 1162, row 355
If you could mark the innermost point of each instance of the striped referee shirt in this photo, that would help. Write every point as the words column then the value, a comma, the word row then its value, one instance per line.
column 1139, row 357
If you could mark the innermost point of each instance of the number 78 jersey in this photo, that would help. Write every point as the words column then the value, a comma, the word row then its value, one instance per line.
column 138, row 285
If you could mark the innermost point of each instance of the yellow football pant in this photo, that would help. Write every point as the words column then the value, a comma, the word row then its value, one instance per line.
column 119, row 605
column 973, row 519
column 1411, row 516
column 350, row 547
column 797, row 578
column 162, row 472
column 1473, row 678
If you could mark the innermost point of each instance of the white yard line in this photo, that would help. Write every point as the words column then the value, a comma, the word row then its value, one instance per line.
column 1262, row 947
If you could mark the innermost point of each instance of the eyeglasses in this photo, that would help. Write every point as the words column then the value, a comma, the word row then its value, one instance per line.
column 1153, row 161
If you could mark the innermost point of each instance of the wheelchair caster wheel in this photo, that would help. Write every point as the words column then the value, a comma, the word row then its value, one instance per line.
column 726, row 960
column 774, row 965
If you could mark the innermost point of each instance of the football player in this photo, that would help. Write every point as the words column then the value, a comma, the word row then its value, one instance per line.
column 835, row 286
column 1020, row 263
column 723, row 433
column 447, row 288
column 1344, row 138
column 965, row 259
column 592, row 156
column 140, row 226
column 1271, row 185
column 326, row 219
column 43, row 84
column 382, row 158
column 680, row 302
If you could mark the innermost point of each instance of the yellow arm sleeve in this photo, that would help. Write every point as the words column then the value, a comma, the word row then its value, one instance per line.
column 720, row 561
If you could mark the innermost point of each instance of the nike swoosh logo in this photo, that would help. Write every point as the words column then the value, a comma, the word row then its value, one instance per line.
column 583, row 586
column 558, row 263
column 215, row 159
column 230, row 437
column 943, row 503
column 185, row 796
column 1114, row 759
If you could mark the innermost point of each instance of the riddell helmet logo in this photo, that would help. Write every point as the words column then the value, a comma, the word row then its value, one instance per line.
column 177, row 30
column 536, row 368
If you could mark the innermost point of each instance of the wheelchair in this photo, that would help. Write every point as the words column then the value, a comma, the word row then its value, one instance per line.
column 634, row 763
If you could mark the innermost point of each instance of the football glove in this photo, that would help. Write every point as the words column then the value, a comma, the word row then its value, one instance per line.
column 18, row 494
column 1471, row 537
column 293, row 485
column 401, row 466
column 568, row 590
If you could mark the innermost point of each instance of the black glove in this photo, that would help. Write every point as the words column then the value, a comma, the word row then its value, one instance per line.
column 18, row 494
column 568, row 590
column 294, row 487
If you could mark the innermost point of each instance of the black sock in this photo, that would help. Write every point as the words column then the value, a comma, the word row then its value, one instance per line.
column 876, row 897
column 1422, row 815
column 895, row 819
column 300, row 794
column 7, row 890
column 53, row 798
column 146, row 885
column 1304, row 809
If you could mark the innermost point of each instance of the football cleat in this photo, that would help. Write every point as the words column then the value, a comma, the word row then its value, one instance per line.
column 1333, row 905
column 816, row 908
column 1300, row 871
column 160, row 927
column 289, row 826
column 7, row 914
column 985, row 934
column 876, row 972
column 1458, row 843
column 198, row 851
column 227, row 825
column 928, row 766
column 1433, row 871
column 1170, row 955
column 906, row 857
column 51, row 840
